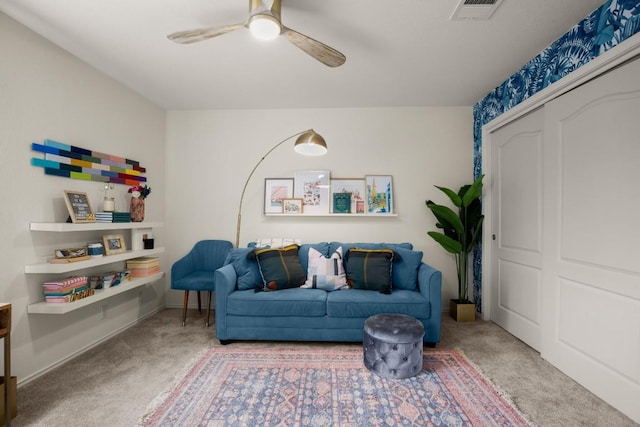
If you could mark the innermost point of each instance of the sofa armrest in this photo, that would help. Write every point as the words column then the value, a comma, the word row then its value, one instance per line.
column 430, row 285
column 225, row 278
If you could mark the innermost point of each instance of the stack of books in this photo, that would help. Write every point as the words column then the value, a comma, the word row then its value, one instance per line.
column 67, row 290
column 104, row 216
column 143, row 266
column 113, row 217
column 121, row 217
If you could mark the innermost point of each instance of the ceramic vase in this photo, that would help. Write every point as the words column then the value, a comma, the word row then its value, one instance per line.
column 136, row 209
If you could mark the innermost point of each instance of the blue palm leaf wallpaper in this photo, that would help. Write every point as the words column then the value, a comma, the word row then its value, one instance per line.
column 605, row 28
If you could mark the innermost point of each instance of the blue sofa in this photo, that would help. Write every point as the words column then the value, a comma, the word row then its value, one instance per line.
column 300, row 314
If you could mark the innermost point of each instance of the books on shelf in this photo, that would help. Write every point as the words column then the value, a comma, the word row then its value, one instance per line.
column 104, row 216
column 121, row 217
column 67, row 290
column 143, row 266
column 66, row 282
column 71, row 297
column 113, row 217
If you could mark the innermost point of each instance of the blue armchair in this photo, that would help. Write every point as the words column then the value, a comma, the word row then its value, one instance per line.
column 194, row 271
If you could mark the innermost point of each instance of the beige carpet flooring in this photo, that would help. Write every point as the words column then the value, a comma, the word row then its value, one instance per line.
column 112, row 384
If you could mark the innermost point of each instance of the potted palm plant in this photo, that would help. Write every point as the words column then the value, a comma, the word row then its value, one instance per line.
column 460, row 232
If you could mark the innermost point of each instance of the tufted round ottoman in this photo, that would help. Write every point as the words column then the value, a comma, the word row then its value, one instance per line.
column 393, row 345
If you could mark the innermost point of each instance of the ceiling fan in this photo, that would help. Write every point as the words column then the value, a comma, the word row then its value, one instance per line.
column 264, row 23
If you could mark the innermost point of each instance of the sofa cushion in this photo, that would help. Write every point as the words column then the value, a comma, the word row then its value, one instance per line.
column 246, row 268
column 346, row 246
column 325, row 273
column 280, row 268
column 369, row 269
column 275, row 242
column 357, row 303
column 287, row 302
column 303, row 253
column 405, row 268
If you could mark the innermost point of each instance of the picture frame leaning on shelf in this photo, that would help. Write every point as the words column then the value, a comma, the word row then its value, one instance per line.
column 114, row 244
column 78, row 206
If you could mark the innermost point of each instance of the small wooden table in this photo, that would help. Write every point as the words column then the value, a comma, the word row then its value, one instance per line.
column 5, row 332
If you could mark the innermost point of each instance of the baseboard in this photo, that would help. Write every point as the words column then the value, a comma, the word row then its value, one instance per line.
column 59, row 363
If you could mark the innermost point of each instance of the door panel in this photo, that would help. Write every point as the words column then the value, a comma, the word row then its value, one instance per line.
column 517, row 226
column 600, row 173
column 591, row 275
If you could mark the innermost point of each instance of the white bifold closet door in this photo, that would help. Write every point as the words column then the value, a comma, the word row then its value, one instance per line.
column 565, row 221
column 591, row 236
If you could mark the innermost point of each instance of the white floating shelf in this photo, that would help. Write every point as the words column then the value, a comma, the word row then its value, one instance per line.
column 65, row 227
column 47, row 267
column 101, row 294
column 302, row 215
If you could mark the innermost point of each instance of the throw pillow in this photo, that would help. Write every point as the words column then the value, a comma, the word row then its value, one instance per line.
column 369, row 269
column 246, row 268
column 325, row 273
column 405, row 268
column 280, row 268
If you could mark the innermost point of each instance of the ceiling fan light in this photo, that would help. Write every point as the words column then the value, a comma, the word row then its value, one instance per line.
column 264, row 27
column 310, row 143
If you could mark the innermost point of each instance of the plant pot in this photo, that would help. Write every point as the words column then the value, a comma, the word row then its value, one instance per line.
column 462, row 311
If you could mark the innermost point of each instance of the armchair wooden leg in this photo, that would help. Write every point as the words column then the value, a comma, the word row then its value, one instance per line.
column 199, row 304
column 184, row 307
column 206, row 324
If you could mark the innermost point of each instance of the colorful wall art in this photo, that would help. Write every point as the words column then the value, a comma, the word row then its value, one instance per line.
column 79, row 163
column 604, row 29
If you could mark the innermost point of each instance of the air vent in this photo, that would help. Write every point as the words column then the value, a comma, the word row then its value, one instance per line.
column 475, row 9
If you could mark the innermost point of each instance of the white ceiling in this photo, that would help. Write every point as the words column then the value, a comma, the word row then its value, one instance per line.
column 399, row 53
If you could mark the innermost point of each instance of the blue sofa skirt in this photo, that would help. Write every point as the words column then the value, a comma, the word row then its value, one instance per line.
column 298, row 328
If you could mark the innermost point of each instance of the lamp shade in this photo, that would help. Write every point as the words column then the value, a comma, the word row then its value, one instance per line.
column 310, row 144
column 264, row 27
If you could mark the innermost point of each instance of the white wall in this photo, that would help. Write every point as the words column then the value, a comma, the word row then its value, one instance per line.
column 47, row 93
column 210, row 155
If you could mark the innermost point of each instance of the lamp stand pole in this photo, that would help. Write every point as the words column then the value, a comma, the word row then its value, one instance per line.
column 249, row 178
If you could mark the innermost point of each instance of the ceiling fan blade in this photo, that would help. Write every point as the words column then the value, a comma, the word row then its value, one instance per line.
column 320, row 51
column 200, row 34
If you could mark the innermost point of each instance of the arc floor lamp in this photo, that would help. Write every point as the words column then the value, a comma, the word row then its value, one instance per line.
column 309, row 143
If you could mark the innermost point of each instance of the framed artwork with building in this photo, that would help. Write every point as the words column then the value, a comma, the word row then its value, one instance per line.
column 379, row 194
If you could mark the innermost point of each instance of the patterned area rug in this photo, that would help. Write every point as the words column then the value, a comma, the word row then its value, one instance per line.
column 243, row 385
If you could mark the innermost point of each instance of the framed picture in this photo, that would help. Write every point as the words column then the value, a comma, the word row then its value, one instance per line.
column 292, row 206
column 353, row 186
column 313, row 188
column 78, row 206
column 276, row 189
column 379, row 194
column 114, row 244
